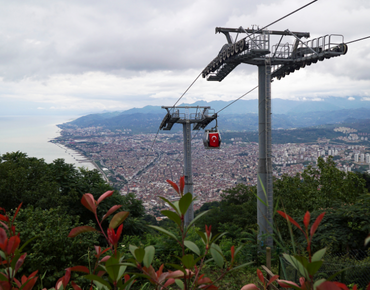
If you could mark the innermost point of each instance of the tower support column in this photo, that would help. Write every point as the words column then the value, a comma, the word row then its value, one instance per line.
column 264, row 178
column 189, row 216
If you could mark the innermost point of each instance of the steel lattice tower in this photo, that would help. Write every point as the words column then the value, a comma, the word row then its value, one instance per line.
column 274, row 61
column 200, row 119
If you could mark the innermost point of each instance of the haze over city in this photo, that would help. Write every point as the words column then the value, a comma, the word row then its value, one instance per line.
column 79, row 57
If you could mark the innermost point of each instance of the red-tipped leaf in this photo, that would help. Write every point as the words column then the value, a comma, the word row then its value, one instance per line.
column 97, row 250
column 4, row 225
column 232, row 252
column 3, row 236
column 106, row 258
column 174, row 185
column 104, row 196
column 286, row 284
column 16, row 212
column 114, row 237
column 182, row 184
column 12, row 245
column 20, row 262
column 4, row 218
column 316, row 224
column 160, row 271
column 30, row 283
column 88, row 201
column 127, row 277
column 66, row 277
column 204, row 280
column 287, row 217
column 17, row 282
column 33, row 274
column 274, row 278
column 24, row 279
column 250, row 287
column 80, row 269
column 306, row 219
column 75, row 286
column 59, row 283
column 110, row 211
column 260, row 276
column 343, row 286
column 329, row 285
column 169, row 282
column 79, row 230
column 118, row 219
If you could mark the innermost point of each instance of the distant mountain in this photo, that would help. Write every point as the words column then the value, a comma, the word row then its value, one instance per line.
column 302, row 135
column 145, row 110
column 282, row 106
column 242, row 117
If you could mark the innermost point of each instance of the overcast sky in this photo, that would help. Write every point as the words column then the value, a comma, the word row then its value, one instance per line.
column 84, row 56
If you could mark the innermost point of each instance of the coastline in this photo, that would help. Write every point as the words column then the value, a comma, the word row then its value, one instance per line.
column 83, row 160
column 35, row 135
column 79, row 158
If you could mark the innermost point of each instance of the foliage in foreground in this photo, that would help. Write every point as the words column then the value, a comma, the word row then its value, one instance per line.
column 110, row 268
column 307, row 264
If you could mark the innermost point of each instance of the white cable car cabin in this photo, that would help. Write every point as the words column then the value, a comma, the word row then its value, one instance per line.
column 212, row 139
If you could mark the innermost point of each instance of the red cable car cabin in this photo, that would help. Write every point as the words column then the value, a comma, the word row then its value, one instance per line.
column 212, row 139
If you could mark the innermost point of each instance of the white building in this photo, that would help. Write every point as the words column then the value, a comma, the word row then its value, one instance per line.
column 362, row 157
column 356, row 157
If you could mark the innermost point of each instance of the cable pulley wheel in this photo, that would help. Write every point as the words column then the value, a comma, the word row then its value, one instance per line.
column 232, row 50
column 241, row 45
column 224, row 55
column 344, row 48
column 236, row 47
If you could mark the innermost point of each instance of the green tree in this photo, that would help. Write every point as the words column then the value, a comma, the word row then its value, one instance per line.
column 235, row 213
column 317, row 188
column 325, row 189
column 41, row 185
column 345, row 226
column 366, row 177
column 23, row 179
column 51, row 250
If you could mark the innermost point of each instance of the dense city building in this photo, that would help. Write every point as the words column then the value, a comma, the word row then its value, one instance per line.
column 142, row 163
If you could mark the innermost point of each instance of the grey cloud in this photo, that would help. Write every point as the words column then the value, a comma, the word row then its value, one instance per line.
column 58, row 37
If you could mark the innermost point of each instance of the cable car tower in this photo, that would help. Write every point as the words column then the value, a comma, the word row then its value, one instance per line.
column 200, row 119
column 273, row 61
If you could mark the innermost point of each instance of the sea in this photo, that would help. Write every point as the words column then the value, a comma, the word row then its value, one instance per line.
column 31, row 135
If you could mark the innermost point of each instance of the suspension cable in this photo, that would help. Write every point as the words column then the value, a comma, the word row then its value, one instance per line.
column 195, row 135
column 304, row 6
column 156, row 135
column 238, row 99
column 357, row 40
column 188, row 89
column 175, row 105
